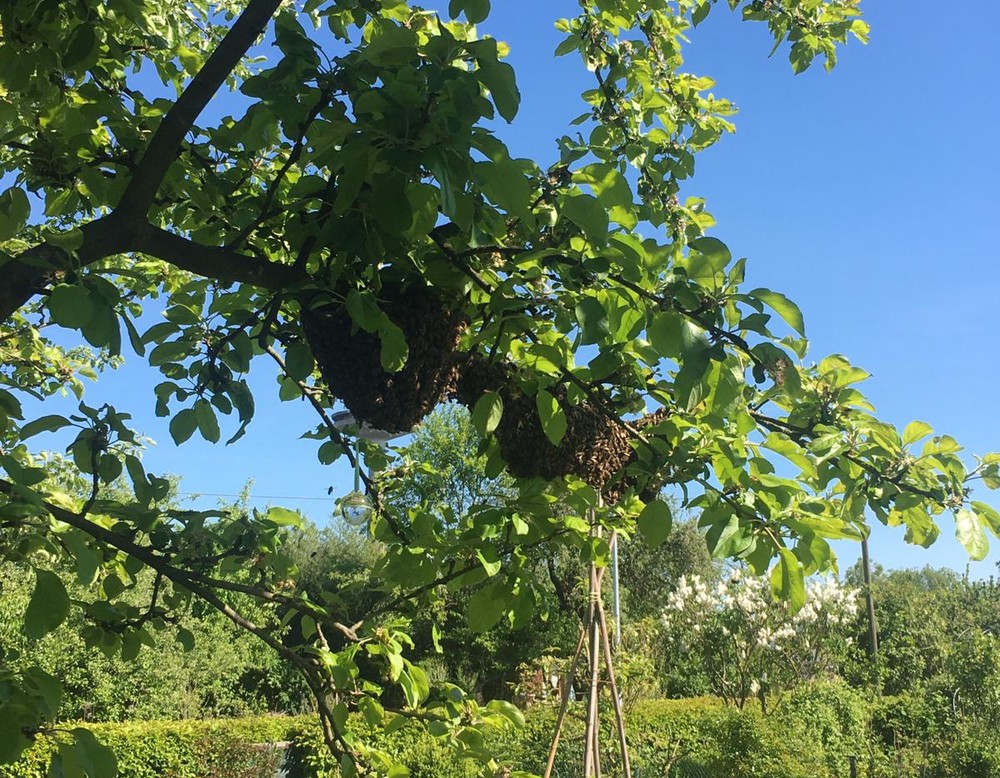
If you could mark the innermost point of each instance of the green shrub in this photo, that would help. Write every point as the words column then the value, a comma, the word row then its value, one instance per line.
column 811, row 736
column 177, row 749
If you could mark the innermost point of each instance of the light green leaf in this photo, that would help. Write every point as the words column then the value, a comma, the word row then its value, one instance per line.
column 784, row 307
column 654, row 523
column 284, row 517
column 714, row 250
column 916, row 430
column 394, row 351
column 487, row 413
column 788, row 581
column 664, row 333
column 552, row 415
column 970, row 534
column 508, row 710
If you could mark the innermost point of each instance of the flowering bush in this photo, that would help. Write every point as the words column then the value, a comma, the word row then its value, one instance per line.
column 749, row 643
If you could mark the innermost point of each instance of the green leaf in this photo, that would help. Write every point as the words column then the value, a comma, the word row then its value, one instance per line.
column 988, row 516
column 970, row 534
column 498, row 78
column 475, row 11
column 70, row 305
column 44, row 424
column 299, row 362
column 183, row 425
column 487, row 413
column 284, row 517
column 508, row 710
column 587, row 213
column 94, row 757
column 394, row 350
column 364, row 310
column 664, row 333
column 916, row 430
column 487, row 606
column 787, row 580
column 81, row 44
column 14, row 212
column 373, row 712
column 654, row 523
column 714, row 250
column 185, row 637
column 12, row 739
column 208, row 424
column 48, row 607
column 505, row 184
column 784, row 307
column 552, row 415
column 593, row 319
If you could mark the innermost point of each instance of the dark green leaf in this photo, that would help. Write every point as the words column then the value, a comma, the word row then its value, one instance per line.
column 48, row 607
column 94, row 757
column 208, row 423
column 487, row 606
column 587, row 213
column 394, row 349
column 70, row 305
column 44, row 424
column 183, row 425
column 14, row 212
column 593, row 320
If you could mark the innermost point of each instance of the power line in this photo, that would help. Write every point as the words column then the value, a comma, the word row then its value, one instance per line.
column 254, row 496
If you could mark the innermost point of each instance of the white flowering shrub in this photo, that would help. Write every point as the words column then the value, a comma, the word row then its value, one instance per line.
column 751, row 645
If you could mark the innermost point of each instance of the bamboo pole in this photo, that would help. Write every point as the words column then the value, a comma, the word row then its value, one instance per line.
column 590, row 733
column 564, row 706
column 613, row 685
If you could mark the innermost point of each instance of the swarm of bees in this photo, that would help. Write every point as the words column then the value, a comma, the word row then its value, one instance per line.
column 350, row 362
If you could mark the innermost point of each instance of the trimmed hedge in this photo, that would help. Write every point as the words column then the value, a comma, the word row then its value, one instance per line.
column 812, row 734
column 219, row 748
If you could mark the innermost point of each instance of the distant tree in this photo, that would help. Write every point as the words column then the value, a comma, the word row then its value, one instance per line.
column 649, row 575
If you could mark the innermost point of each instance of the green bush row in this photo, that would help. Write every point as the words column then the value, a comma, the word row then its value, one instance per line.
column 810, row 733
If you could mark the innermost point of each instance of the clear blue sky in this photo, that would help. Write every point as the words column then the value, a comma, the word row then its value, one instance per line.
column 868, row 195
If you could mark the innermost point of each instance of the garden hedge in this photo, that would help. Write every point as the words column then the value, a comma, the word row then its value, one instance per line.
column 811, row 733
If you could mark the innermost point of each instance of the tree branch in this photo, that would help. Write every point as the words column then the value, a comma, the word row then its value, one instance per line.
column 165, row 143
column 212, row 262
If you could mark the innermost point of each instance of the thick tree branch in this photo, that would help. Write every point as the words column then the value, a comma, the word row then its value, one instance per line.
column 29, row 272
column 166, row 141
column 212, row 262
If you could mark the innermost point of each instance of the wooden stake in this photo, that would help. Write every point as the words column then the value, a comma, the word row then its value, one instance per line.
column 613, row 685
column 564, row 706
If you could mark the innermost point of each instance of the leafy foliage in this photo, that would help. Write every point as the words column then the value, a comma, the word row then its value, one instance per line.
column 350, row 216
